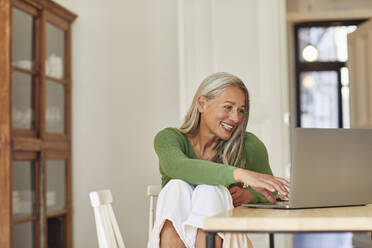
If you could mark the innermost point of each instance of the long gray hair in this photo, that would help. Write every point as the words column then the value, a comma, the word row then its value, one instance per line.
column 228, row 151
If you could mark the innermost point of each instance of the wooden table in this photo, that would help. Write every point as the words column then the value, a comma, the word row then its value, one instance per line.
column 243, row 219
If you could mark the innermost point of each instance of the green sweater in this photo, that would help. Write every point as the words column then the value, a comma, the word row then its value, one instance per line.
column 177, row 160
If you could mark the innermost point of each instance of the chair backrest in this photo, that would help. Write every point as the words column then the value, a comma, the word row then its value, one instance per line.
column 107, row 227
column 153, row 192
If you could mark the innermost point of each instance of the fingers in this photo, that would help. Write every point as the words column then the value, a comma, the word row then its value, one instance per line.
column 267, row 194
column 265, row 181
column 279, row 184
column 237, row 203
column 273, row 186
column 280, row 188
column 284, row 181
column 233, row 190
column 266, row 185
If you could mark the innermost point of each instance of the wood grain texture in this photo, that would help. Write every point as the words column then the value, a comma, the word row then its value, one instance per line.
column 57, row 213
column 295, row 220
column 5, row 128
column 19, row 4
column 56, row 20
column 55, row 8
column 26, row 144
column 24, row 133
column 27, row 71
column 68, row 132
column 22, row 144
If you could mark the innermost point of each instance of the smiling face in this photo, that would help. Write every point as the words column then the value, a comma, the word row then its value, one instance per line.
column 221, row 115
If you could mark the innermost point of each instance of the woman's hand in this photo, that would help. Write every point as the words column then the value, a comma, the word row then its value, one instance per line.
column 263, row 183
column 240, row 196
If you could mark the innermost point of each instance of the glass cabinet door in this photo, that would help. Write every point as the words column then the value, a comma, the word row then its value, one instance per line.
column 55, row 51
column 55, row 107
column 23, row 39
column 56, row 185
column 23, row 105
column 23, row 188
column 56, row 199
column 56, row 231
column 24, row 235
column 23, row 69
column 55, row 83
column 25, row 199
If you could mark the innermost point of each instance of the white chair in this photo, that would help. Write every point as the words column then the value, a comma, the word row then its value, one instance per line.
column 107, row 227
column 153, row 192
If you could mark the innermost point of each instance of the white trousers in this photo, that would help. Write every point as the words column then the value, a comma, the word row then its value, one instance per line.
column 186, row 207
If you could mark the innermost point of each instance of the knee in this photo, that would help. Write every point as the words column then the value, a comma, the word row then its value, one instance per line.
column 210, row 199
column 176, row 187
column 178, row 184
column 209, row 192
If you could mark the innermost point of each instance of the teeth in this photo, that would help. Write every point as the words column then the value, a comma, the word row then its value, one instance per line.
column 226, row 125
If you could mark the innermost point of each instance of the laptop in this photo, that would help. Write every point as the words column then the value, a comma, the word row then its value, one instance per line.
column 330, row 167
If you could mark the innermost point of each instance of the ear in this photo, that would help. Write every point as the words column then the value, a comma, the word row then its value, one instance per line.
column 201, row 103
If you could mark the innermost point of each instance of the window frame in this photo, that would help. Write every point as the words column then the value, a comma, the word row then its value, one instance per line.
column 316, row 66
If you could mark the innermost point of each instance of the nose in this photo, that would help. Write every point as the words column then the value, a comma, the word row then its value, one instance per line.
column 235, row 117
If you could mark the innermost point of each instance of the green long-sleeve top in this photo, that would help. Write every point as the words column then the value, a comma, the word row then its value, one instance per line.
column 177, row 160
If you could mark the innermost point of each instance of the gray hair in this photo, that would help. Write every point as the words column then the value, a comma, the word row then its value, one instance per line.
column 228, row 151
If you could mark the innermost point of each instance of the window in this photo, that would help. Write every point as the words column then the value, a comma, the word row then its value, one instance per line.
column 322, row 87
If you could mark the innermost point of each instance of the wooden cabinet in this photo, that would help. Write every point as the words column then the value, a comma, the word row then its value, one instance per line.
column 35, row 124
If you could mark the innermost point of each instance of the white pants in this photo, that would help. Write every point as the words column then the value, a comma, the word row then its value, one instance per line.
column 186, row 207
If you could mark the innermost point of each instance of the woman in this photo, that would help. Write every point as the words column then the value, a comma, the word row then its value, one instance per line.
column 208, row 154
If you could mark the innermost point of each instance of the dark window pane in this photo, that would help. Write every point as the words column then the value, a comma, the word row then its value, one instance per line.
column 319, row 99
column 56, row 232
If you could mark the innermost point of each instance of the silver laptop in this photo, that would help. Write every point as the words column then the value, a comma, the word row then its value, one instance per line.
column 330, row 167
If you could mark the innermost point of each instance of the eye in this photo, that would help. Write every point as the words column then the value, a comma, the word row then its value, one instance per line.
column 227, row 107
column 241, row 111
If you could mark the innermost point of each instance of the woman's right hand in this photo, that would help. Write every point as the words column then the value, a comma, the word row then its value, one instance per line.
column 263, row 183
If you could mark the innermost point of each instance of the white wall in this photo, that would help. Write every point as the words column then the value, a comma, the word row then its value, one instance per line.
column 125, row 89
column 127, row 86
column 246, row 38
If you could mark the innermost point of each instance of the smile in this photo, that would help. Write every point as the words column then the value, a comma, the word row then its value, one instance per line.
column 227, row 126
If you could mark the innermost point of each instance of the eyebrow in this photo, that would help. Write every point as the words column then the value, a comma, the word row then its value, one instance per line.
column 233, row 103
